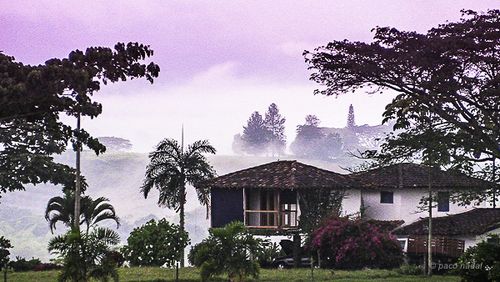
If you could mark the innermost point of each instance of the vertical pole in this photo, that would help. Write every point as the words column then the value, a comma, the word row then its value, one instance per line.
column 494, row 204
column 429, row 240
column 76, row 219
column 183, row 195
column 177, row 272
column 296, row 250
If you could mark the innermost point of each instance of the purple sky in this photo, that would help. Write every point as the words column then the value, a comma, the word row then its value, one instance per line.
column 219, row 60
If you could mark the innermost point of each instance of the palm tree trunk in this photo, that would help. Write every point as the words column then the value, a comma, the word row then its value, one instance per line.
column 182, row 218
column 429, row 239
column 76, row 223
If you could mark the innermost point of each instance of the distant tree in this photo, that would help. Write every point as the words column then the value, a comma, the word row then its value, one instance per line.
column 256, row 134
column 351, row 123
column 275, row 123
column 312, row 120
column 92, row 212
column 115, row 143
column 156, row 244
column 308, row 137
column 33, row 97
column 171, row 168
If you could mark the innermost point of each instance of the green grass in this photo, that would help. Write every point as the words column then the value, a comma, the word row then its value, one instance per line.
column 155, row 274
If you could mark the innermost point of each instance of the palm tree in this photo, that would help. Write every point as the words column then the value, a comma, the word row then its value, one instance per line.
column 61, row 209
column 170, row 169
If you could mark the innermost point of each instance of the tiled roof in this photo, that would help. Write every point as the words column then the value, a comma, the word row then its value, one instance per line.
column 475, row 222
column 282, row 175
column 386, row 225
column 408, row 175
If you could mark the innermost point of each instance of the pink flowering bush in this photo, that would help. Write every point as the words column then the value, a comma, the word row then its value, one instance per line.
column 354, row 244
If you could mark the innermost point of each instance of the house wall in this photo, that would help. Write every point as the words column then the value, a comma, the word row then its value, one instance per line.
column 351, row 204
column 226, row 206
column 471, row 241
column 405, row 207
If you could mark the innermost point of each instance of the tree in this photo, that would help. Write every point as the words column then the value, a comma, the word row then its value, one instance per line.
column 33, row 97
column 355, row 244
column 452, row 70
column 171, row 168
column 92, row 212
column 256, row 134
column 155, row 244
column 276, row 126
column 85, row 255
column 5, row 245
column 481, row 262
column 231, row 250
column 351, row 123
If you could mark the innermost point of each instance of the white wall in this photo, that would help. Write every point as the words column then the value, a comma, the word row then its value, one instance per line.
column 351, row 204
column 405, row 207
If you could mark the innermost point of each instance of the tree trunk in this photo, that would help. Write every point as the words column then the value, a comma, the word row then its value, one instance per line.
column 429, row 239
column 76, row 223
column 296, row 250
column 181, row 219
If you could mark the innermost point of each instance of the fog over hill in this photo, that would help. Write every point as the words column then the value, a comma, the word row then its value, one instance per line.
column 117, row 176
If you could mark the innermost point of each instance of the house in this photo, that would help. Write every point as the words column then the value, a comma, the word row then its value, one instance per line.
column 269, row 199
column 471, row 227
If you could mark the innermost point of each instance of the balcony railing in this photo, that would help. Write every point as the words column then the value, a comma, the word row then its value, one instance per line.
column 271, row 219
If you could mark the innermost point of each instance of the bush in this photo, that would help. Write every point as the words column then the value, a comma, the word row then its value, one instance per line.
column 4, row 251
column 46, row 267
column 230, row 250
column 269, row 252
column 155, row 244
column 355, row 244
column 481, row 262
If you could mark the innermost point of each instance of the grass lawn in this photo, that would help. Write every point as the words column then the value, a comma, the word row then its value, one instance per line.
column 155, row 274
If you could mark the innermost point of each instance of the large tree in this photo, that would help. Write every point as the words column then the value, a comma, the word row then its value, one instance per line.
column 453, row 71
column 32, row 98
column 171, row 168
column 256, row 134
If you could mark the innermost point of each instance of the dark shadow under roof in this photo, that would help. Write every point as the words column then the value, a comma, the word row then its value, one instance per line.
column 475, row 222
column 282, row 175
column 409, row 175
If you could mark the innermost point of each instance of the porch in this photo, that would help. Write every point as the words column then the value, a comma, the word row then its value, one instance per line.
column 271, row 209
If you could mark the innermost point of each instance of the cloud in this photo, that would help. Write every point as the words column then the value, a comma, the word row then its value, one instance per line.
column 296, row 48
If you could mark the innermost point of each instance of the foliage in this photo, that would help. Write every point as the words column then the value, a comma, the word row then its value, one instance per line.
column 155, row 244
column 33, row 97
column 275, row 124
column 21, row 264
column 451, row 71
column 355, row 244
column 231, row 250
column 481, row 262
column 351, row 122
column 171, row 168
column 256, row 134
column 317, row 206
column 61, row 209
column 410, row 269
column 312, row 142
column 269, row 252
column 85, row 254
column 5, row 245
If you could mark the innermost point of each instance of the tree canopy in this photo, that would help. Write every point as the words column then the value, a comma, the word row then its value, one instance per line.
column 32, row 98
column 451, row 71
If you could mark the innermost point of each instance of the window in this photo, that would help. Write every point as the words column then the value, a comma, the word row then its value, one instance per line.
column 386, row 197
column 443, row 201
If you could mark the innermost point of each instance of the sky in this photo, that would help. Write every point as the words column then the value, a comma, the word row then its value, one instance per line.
column 219, row 60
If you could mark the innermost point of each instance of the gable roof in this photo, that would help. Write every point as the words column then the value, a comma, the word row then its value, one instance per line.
column 282, row 175
column 475, row 222
column 409, row 175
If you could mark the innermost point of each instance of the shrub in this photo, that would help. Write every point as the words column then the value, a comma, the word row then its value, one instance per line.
column 46, row 267
column 230, row 250
column 355, row 244
column 481, row 262
column 155, row 244
column 269, row 252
